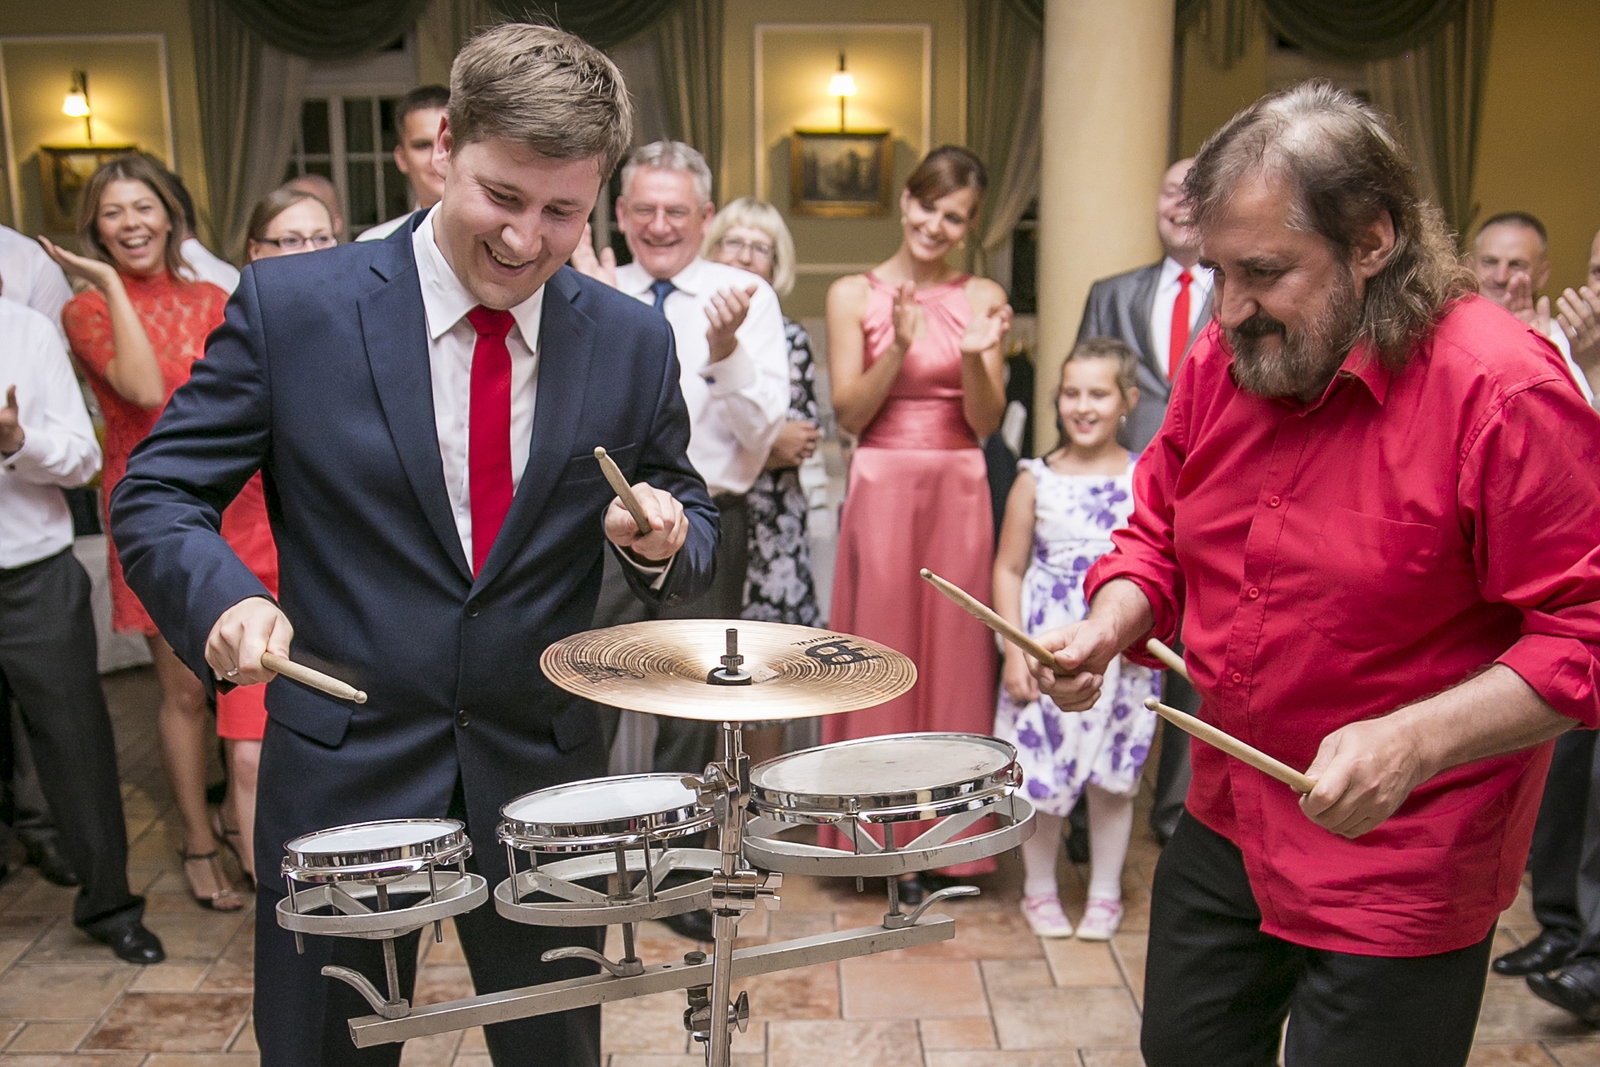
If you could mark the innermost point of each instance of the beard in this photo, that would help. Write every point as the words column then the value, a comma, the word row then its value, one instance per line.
column 1304, row 360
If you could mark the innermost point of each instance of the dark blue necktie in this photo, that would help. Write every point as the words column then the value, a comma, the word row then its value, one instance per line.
column 661, row 287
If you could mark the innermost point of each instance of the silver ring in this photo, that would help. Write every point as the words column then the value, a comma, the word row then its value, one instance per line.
column 234, row 673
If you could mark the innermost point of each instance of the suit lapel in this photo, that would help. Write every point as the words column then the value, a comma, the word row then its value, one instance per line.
column 1140, row 308
column 566, row 338
column 395, row 330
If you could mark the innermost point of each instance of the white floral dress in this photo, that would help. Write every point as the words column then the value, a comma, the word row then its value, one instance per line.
column 1060, row 752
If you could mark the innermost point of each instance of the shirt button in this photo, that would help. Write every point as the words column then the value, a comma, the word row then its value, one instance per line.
column 1237, row 678
column 463, row 720
column 1254, row 592
column 1275, row 501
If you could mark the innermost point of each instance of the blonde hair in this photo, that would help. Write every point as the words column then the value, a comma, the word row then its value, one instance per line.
column 758, row 215
column 542, row 88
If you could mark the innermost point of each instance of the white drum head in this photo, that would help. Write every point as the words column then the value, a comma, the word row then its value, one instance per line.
column 601, row 800
column 373, row 836
column 898, row 764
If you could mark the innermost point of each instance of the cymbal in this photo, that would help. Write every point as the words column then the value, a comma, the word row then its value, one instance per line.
column 660, row 667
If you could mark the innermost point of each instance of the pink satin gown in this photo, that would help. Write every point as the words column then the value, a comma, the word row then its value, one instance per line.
column 918, row 497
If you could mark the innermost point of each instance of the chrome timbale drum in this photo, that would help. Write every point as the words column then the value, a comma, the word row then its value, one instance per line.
column 375, row 851
column 954, row 780
column 616, row 829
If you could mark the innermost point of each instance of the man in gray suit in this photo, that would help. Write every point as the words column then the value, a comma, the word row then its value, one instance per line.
column 1155, row 308
column 1158, row 311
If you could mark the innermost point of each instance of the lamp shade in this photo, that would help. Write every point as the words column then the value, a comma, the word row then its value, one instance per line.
column 75, row 105
column 843, row 84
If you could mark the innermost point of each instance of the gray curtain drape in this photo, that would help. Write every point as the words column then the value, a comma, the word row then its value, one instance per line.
column 688, row 41
column 1225, row 27
column 1005, row 70
column 250, row 97
column 327, row 29
column 603, row 23
column 1359, row 30
column 1435, row 92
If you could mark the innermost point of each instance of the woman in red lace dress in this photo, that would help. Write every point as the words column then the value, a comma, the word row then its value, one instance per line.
column 135, row 332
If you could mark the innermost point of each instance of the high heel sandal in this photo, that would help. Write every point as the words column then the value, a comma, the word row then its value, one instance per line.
column 233, row 841
column 224, row 898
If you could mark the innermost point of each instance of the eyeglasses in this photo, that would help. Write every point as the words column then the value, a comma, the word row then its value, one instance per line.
column 294, row 242
column 644, row 214
column 737, row 247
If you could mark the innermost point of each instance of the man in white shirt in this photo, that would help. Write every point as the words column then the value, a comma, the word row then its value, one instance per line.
column 204, row 266
column 1510, row 257
column 32, row 278
column 47, row 639
column 416, row 121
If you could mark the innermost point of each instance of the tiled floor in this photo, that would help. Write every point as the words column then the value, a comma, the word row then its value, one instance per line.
column 993, row 997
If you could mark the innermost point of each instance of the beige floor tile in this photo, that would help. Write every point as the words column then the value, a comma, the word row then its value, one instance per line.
column 234, row 970
column 437, row 1050
column 1083, row 1016
column 644, row 1024
column 1575, row 1053
column 647, row 1059
column 169, row 978
column 197, row 1059
column 473, row 1060
column 135, row 1059
column 438, row 982
column 195, row 934
column 980, row 935
column 39, row 897
column 1002, row 1059
column 1512, row 1014
column 171, row 1022
column 786, row 924
column 945, row 1034
column 806, row 993
column 472, row 1040
column 246, row 1041
column 1129, row 949
column 56, row 991
column 1111, row 1057
column 927, row 989
column 852, row 1042
column 1519, row 1055
column 1015, row 974
column 50, row 1037
column 1074, row 962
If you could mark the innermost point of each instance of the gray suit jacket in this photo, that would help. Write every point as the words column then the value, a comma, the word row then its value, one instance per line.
column 1119, row 306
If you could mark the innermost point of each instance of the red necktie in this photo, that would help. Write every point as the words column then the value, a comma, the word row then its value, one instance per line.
column 1180, row 324
column 489, row 430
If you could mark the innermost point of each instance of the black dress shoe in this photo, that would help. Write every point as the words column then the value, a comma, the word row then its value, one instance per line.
column 1538, row 956
column 132, row 942
column 1575, row 988
column 45, row 854
column 695, row 925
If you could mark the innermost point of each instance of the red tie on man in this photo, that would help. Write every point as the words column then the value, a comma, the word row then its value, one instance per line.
column 489, row 430
column 1180, row 325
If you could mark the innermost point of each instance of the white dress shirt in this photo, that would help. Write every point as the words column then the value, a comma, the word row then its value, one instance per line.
column 58, row 448
column 383, row 229
column 206, row 267
column 30, row 277
column 1558, row 337
column 451, row 339
column 738, row 405
column 1166, row 296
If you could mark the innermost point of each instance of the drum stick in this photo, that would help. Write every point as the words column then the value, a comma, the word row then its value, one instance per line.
column 972, row 606
column 623, row 489
column 1233, row 747
column 315, row 679
column 1169, row 657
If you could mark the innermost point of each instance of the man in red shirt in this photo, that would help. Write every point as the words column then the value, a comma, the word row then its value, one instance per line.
column 1373, row 503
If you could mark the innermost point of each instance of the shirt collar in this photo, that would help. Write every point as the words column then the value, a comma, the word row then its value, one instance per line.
column 1171, row 268
column 445, row 301
column 635, row 280
column 1366, row 366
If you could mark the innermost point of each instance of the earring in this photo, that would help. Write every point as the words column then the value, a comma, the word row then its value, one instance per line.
column 1122, row 420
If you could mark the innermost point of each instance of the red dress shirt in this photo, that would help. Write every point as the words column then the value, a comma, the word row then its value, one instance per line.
column 1335, row 561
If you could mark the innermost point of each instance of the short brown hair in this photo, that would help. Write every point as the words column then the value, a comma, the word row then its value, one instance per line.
column 276, row 203
column 945, row 170
column 132, row 168
column 542, row 88
column 1345, row 167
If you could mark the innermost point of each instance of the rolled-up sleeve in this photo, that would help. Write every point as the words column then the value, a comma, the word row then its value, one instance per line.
column 1530, row 488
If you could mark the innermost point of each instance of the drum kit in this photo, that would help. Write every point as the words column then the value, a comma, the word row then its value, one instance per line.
column 608, row 851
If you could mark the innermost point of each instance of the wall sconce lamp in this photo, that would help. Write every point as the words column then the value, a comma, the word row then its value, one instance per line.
column 843, row 86
column 76, row 104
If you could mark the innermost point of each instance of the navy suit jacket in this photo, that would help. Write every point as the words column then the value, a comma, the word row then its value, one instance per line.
column 319, row 378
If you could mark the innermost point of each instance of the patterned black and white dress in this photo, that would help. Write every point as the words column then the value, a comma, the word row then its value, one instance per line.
column 778, row 585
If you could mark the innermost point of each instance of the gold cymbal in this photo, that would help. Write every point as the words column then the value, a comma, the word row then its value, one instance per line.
column 796, row 672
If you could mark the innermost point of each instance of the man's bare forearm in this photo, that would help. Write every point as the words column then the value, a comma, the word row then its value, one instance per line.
column 1486, row 715
column 1123, row 609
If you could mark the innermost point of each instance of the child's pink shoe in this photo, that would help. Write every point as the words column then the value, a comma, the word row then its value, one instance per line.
column 1100, row 919
column 1044, row 914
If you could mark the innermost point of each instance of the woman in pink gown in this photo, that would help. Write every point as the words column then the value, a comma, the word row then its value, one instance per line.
column 914, row 354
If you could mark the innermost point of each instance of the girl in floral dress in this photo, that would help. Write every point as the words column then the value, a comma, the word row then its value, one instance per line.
column 1058, row 521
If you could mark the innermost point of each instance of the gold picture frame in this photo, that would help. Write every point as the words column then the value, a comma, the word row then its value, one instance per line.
column 841, row 174
column 63, row 171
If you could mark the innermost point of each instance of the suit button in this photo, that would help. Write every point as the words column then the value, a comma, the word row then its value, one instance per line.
column 463, row 720
column 472, row 609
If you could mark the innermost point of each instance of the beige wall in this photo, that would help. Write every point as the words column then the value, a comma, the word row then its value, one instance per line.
column 1539, row 147
column 884, row 45
column 168, row 17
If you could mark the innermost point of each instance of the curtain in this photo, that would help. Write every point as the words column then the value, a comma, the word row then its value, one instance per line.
column 1435, row 92
column 250, row 97
column 688, row 43
column 442, row 28
column 1360, row 30
column 1005, row 71
column 603, row 23
column 1225, row 27
column 327, row 29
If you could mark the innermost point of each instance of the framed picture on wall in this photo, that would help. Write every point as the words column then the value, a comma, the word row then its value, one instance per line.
column 64, row 171
column 836, row 174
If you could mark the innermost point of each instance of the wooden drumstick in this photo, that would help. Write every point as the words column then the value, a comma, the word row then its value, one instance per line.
column 1166, row 655
column 974, row 607
column 1233, row 747
column 623, row 490
column 315, row 679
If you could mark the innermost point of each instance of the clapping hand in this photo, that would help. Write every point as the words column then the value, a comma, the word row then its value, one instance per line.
column 726, row 312
column 986, row 331
column 100, row 275
column 1520, row 302
column 796, row 443
column 11, row 435
column 1580, row 321
column 602, row 268
column 908, row 316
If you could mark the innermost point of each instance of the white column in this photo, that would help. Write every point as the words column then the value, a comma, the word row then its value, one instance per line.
column 1106, row 115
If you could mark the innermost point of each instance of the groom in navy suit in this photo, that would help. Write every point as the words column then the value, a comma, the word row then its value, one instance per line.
column 424, row 410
